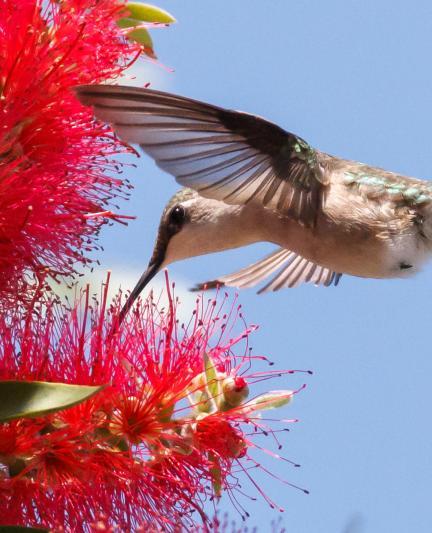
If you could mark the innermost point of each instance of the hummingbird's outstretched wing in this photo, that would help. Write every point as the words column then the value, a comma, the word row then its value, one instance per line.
column 226, row 155
column 292, row 270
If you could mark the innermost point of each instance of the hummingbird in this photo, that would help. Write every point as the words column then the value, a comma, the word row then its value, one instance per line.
column 248, row 180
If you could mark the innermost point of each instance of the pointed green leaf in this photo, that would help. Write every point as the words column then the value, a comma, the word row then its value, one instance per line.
column 127, row 22
column 149, row 13
column 37, row 398
column 22, row 529
column 269, row 400
column 211, row 377
column 141, row 36
column 216, row 474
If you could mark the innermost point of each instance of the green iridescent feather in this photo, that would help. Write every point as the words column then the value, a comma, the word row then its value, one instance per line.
column 395, row 186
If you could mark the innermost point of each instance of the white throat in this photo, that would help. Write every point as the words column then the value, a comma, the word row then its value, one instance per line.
column 214, row 226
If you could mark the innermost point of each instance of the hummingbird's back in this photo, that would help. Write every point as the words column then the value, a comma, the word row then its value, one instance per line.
column 380, row 221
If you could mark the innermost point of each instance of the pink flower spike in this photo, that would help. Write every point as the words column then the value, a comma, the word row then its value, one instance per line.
column 172, row 429
column 57, row 172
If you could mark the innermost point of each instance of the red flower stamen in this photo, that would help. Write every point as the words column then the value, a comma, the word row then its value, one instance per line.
column 57, row 175
column 166, row 434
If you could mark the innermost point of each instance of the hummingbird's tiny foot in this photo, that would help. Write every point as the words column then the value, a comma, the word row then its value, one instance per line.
column 207, row 285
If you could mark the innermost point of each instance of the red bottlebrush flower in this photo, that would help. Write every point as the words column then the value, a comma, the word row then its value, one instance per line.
column 165, row 435
column 56, row 166
column 220, row 437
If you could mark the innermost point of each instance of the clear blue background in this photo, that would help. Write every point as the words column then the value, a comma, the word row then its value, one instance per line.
column 354, row 79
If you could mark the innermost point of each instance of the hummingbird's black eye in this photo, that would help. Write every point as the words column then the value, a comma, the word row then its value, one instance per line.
column 177, row 216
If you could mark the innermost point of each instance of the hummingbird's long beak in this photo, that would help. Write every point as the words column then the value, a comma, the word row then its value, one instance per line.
column 150, row 272
column 156, row 261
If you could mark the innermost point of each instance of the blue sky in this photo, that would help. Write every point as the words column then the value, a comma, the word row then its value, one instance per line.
column 354, row 79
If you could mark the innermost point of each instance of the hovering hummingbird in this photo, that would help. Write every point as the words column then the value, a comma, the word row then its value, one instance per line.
column 248, row 180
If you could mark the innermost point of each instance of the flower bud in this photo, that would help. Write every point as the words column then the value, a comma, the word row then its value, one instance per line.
column 235, row 390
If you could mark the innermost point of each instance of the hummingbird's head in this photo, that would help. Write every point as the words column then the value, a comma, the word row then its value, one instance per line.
column 190, row 225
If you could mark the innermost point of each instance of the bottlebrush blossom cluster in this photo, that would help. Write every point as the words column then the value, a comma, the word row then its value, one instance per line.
column 56, row 166
column 171, row 431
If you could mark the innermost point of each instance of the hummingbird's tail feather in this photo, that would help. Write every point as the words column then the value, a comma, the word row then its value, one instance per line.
column 292, row 270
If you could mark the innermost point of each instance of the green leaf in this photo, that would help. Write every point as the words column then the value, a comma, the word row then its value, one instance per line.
column 37, row 398
column 141, row 36
column 128, row 22
column 269, row 400
column 22, row 529
column 149, row 13
column 211, row 377
column 216, row 474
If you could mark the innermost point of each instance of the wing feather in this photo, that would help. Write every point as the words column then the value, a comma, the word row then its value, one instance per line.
column 291, row 271
column 226, row 155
